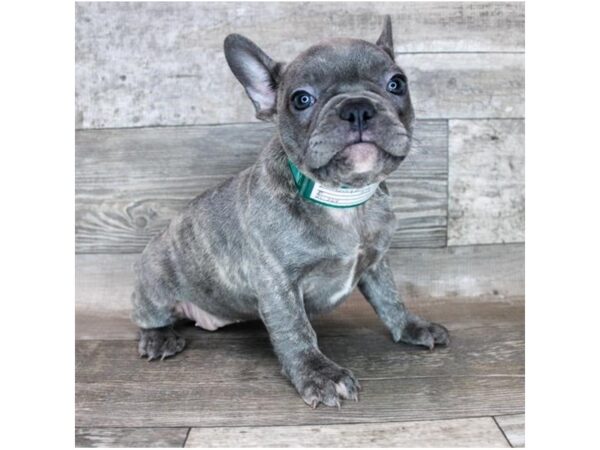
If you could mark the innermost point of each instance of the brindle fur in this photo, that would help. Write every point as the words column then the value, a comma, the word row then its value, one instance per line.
column 253, row 248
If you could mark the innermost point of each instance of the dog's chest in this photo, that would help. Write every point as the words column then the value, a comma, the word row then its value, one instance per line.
column 355, row 241
column 330, row 280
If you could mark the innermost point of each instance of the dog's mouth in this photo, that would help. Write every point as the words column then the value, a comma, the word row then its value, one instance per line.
column 356, row 165
column 364, row 156
column 361, row 156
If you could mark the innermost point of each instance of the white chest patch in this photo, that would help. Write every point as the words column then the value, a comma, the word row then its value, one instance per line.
column 203, row 319
column 342, row 215
column 347, row 287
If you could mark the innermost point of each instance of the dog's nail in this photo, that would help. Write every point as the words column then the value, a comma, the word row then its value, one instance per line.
column 314, row 404
column 338, row 404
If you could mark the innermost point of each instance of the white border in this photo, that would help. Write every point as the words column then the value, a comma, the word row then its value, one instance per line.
column 37, row 98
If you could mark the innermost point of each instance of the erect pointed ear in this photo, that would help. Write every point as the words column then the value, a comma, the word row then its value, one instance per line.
column 386, row 40
column 258, row 73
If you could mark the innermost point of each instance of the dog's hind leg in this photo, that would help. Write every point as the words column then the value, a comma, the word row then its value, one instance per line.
column 157, row 339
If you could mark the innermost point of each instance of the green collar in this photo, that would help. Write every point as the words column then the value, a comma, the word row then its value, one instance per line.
column 340, row 197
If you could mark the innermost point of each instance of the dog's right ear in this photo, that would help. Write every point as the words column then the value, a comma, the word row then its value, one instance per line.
column 386, row 40
column 258, row 73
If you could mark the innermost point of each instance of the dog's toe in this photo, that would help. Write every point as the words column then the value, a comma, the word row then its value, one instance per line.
column 440, row 334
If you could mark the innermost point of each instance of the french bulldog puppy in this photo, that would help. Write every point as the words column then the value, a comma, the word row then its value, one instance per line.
column 291, row 236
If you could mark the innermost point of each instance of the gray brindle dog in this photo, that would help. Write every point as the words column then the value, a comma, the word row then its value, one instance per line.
column 257, row 247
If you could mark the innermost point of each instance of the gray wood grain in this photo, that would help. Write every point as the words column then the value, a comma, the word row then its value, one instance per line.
column 162, row 64
column 103, row 284
column 259, row 403
column 130, row 437
column 475, row 432
column 131, row 182
column 486, row 181
column 221, row 377
column 513, row 427
column 466, row 85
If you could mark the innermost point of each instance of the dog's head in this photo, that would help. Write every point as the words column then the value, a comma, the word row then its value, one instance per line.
column 342, row 107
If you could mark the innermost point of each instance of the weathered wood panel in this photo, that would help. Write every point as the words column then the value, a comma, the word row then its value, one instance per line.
column 466, row 85
column 130, row 437
column 163, row 64
column 513, row 427
column 486, row 181
column 490, row 271
column 476, row 432
column 131, row 182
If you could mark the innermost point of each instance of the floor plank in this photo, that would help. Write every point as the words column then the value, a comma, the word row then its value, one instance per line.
column 222, row 378
column 130, row 437
column 264, row 403
column 513, row 427
column 473, row 432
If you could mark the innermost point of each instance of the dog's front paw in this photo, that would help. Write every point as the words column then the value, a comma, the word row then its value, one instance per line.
column 323, row 381
column 418, row 331
column 159, row 343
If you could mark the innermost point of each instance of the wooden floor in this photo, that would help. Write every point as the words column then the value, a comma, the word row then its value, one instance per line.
column 226, row 389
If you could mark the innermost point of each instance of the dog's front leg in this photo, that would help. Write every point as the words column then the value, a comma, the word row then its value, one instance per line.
column 316, row 378
column 379, row 288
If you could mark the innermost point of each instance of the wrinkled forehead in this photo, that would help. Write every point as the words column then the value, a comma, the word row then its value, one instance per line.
column 338, row 61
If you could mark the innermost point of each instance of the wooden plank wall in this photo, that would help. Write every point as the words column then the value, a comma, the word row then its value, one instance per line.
column 129, row 183
column 163, row 64
column 141, row 68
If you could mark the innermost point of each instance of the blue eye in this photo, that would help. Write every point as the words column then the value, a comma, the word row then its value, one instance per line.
column 302, row 100
column 397, row 85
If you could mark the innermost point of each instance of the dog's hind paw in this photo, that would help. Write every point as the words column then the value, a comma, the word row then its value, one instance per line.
column 160, row 343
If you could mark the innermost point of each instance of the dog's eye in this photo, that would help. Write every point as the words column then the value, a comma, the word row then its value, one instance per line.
column 397, row 85
column 302, row 100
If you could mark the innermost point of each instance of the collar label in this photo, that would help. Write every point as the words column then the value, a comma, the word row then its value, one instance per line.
column 342, row 197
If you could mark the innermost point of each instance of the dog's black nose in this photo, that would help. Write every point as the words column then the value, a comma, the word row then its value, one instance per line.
column 358, row 112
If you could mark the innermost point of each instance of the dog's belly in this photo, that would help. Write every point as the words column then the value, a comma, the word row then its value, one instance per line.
column 203, row 319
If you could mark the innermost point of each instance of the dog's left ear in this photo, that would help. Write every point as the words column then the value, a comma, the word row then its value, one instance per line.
column 258, row 73
column 386, row 40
